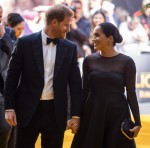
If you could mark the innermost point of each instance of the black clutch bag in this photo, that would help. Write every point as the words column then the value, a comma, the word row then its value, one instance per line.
column 126, row 125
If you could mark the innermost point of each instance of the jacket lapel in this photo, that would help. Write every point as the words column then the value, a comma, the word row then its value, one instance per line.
column 38, row 53
column 60, row 55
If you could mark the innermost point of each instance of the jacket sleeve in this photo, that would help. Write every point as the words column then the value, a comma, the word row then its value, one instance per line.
column 13, row 75
column 8, row 41
column 75, row 86
column 1, row 84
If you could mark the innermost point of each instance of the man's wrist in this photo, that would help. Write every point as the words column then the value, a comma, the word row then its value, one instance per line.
column 9, row 110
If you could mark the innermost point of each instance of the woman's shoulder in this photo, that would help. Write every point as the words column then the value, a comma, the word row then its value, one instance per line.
column 93, row 56
column 120, row 58
column 125, row 57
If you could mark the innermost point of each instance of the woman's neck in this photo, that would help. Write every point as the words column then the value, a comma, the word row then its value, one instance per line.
column 109, row 52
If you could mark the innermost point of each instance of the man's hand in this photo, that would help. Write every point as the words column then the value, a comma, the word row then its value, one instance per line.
column 73, row 124
column 10, row 117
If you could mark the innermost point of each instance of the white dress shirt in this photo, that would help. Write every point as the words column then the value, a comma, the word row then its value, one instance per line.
column 49, row 56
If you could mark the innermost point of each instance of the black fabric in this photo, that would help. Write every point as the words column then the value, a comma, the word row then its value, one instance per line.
column 126, row 125
column 105, row 104
column 43, row 122
column 7, row 134
column 5, row 128
column 1, row 84
column 7, row 41
column 6, row 47
column 49, row 40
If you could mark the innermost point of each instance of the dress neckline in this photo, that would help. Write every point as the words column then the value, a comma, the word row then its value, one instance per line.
column 111, row 56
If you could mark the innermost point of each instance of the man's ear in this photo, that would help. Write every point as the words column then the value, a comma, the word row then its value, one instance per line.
column 54, row 22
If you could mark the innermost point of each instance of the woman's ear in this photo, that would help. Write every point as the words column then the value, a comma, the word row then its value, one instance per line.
column 111, row 39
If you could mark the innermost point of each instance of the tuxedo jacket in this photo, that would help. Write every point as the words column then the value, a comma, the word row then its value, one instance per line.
column 25, row 79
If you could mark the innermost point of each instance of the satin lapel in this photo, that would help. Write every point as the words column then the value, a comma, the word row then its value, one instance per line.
column 60, row 55
column 38, row 53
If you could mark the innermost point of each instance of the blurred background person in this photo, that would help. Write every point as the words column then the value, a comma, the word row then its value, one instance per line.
column 111, row 16
column 40, row 17
column 7, row 39
column 121, row 14
column 97, row 18
column 29, row 25
column 144, row 16
column 134, row 36
column 94, row 5
column 16, row 21
column 79, row 31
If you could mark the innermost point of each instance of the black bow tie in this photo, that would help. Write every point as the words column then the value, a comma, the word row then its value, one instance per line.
column 49, row 40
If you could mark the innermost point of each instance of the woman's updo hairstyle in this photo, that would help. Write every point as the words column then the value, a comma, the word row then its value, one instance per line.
column 110, row 30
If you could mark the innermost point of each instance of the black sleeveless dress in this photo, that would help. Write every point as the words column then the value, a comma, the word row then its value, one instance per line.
column 105, row 103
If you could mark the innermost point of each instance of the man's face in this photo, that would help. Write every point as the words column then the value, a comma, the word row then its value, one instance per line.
column 60, row 29
column 1, row 15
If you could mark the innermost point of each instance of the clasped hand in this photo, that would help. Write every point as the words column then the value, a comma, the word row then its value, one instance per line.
column 136, row 130
column 10, row 117
column 73, row 124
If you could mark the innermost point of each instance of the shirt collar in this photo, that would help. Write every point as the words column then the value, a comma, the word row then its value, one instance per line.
column 44, row 37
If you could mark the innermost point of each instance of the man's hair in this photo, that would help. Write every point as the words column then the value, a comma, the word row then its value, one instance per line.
column 58, row 12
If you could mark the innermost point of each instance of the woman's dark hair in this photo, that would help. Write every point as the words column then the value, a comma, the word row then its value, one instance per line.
column 110, row 30
column 13, row 19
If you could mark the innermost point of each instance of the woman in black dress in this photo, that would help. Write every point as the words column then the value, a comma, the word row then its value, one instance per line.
column 107, row 75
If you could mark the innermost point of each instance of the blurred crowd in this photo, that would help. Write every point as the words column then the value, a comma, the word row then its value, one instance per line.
column 135, row 28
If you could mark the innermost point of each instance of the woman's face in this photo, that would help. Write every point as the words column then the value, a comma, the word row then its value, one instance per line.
column 98, row 19
column 99, row 39
column 19, row 29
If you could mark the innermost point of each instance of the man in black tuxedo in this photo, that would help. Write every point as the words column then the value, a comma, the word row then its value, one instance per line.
column 7, row 39
column 41, row 67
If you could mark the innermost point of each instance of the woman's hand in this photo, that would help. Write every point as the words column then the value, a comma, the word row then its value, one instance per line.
column 136, row 130
column 73, row 124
